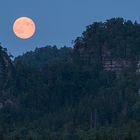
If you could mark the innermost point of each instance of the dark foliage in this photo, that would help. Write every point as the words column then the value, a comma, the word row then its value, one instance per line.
column 89, row 92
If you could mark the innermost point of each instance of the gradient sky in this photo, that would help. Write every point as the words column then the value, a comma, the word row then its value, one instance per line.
column 58, row 22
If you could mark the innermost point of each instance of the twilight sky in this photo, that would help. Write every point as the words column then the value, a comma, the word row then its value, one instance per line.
column 58, row 22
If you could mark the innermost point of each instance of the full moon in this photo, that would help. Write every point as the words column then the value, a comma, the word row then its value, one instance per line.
column 24, row 27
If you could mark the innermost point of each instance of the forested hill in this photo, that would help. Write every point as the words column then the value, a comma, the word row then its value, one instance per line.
column 88, row 92
column 43, row 56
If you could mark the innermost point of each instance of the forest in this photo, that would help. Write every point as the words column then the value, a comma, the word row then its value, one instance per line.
column 90, row 91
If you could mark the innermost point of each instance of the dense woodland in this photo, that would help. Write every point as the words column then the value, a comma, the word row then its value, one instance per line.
column 88, row 92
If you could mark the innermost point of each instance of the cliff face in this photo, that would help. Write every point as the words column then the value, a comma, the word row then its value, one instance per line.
column 111, row 63
column 107, row 60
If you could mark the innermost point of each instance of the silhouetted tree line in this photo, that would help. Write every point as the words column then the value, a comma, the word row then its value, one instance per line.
column 68, row 94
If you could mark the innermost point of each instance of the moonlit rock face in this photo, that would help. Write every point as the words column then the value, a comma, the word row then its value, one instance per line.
column 24, row 27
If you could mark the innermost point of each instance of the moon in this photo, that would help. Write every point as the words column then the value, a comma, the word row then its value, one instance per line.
column 24, row 27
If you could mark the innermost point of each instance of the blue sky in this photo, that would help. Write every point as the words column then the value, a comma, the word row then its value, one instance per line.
column 58, row 22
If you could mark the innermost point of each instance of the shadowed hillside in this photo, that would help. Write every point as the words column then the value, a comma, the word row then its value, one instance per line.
column 88, row 92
